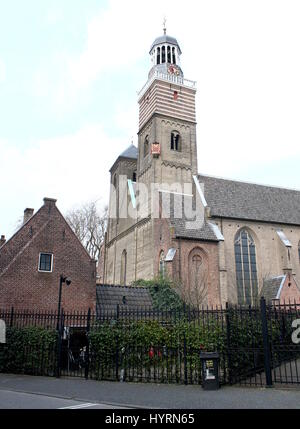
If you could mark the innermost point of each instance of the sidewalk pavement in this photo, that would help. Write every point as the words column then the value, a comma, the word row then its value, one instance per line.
column 154, row 396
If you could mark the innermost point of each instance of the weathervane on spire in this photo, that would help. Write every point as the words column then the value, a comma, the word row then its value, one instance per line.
column 164, row 23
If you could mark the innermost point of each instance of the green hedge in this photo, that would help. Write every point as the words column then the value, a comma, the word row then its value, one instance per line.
column 29, row 350
column 127, row 343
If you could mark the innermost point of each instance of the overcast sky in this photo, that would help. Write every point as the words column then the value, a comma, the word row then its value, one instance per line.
column 69, row 75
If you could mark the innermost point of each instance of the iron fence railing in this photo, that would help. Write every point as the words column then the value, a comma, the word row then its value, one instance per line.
column 254, row 344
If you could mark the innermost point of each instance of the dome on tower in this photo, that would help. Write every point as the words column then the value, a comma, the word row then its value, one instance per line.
column 165, row 55
column 165, row 39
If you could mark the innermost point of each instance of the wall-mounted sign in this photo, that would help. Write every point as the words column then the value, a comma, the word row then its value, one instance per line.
column 155, row 149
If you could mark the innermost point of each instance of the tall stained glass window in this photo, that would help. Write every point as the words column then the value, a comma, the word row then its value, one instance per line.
column 246, row 268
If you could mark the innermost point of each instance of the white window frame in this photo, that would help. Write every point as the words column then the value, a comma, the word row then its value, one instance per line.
column 43, row 271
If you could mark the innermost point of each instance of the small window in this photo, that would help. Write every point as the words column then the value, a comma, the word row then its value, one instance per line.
column 175, row 141
column 163, row 51
column 134, row 176
column 173, row 55
column 146, row 146
column 46, row 262
column 169, row 54
column 158, row 56
column 299, row 251
column 123, row 268
column 162, row 266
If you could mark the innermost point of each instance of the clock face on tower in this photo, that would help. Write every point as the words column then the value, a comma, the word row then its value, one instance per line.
column 173, row 70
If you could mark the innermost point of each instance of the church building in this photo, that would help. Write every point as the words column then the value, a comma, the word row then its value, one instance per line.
column 247, row 234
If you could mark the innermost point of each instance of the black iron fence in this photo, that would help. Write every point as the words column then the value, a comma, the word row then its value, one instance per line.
column 256, row 345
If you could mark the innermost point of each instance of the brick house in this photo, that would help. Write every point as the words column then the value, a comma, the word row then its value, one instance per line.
column 32, row 261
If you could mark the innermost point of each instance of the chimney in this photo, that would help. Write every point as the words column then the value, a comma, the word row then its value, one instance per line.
column 2, row 240
column 207, row 212
column 27, row 214
column 288, row 271
column 49, row 203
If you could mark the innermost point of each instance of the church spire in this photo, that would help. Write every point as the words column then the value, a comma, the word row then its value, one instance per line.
column 165, row 28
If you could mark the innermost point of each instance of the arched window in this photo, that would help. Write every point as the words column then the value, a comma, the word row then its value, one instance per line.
column 169, row 54
column 146, row 146
column 162, row 264
column 163, row 56
column 246, row 268
column 123, row 268
column 158, row 56
column 175, row 141
column 115, row 182
column 173, row 55
column 198, row 278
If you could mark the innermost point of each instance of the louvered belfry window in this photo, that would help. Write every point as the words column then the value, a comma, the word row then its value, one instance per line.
column 246, row 268
column 175, row 141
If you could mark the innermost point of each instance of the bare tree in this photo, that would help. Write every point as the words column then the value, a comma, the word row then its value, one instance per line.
column 195, row 291
column 89, row 224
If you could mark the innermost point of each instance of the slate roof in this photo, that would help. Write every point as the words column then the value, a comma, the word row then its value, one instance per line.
column 108, row 297
column 165, row 39
column 271, row 287
column 205, row 232
column 130, row 152
column 241, row 200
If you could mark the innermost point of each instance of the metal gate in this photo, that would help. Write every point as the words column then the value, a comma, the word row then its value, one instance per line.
column 272, row 355
column 285, row 343
column 73, row 356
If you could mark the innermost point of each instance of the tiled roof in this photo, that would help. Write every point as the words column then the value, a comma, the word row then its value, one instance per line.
column 127, row 297
column 271, row 287
column 240, row 200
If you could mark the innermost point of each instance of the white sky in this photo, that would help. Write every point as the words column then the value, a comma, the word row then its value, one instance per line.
column 70, row 72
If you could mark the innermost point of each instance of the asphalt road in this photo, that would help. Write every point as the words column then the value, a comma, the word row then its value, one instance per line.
column 23, row 401
column 18, row 391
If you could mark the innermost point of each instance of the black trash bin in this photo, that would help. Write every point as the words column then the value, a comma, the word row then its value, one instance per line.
column 210, row 370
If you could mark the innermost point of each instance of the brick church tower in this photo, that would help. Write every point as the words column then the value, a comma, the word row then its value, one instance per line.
column 141, row 242
column 167, row 149
column 215, row 261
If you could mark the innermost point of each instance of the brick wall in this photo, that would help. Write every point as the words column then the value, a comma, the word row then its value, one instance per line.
column 178, row 270
column 23, row 286
column 290, row 291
